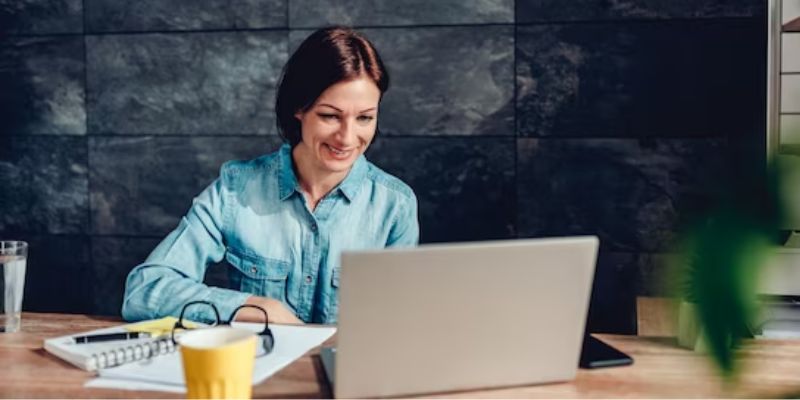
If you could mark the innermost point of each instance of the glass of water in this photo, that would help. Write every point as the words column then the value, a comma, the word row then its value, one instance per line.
column 13, row 258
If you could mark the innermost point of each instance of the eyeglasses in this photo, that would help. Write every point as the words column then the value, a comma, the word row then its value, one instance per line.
column 204, row 307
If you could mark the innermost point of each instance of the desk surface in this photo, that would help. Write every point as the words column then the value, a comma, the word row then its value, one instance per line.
column 660, row 370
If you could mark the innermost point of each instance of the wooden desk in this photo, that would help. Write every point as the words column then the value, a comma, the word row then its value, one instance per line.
column 661, row 370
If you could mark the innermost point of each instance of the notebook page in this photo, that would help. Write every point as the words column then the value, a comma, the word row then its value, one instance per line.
column 291, row 343
column 80, row 355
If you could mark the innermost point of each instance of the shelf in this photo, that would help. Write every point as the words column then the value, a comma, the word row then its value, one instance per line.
column 791, row 26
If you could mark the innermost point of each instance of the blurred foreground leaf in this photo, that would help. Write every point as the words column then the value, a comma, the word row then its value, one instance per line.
column 722, row 257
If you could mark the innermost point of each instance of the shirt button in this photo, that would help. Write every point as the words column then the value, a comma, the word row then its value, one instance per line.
column 253, row 269
column 313, row 227
column 309, row 278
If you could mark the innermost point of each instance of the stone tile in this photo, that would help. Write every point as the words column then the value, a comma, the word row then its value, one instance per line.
column 159, row 15
column 439, row 86
column 42, row 86
column 634, row 194
column 581, row 10
column 187, row 83
column 45, row 185
column 115, row 257
column 57, row 275
column 643, row 79
column 144, row 185
column 308, row 13
column 465, row 186
column 41, row 17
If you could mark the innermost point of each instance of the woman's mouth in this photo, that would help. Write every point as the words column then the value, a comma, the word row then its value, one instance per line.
column 338, row 153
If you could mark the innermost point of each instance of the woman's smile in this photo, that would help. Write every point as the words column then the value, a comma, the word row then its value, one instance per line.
column 338, row 153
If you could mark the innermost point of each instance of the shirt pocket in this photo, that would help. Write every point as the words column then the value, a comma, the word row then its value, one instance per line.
column 335, row 278
column 259, row 275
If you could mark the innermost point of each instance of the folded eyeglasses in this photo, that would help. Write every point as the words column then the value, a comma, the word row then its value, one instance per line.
column 202, row 307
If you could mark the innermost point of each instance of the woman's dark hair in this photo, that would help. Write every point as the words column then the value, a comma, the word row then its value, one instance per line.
column 328, row 56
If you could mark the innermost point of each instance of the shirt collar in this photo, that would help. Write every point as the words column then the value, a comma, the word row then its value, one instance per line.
column 354, row 180
column 289, row 184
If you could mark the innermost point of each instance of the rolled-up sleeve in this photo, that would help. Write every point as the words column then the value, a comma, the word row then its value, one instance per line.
column 405, row 229
column 173, row 273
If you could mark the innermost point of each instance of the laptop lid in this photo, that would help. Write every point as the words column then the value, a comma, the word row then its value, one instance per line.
column 462, row 316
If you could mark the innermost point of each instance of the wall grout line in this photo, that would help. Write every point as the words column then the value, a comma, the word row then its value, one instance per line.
column 88, row 235
column 515, row 55
column 288, row 14
column 90, row 239
column 618, row 21
column 385, row 136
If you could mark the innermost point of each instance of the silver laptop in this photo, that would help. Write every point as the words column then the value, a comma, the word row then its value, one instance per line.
column 454, row 317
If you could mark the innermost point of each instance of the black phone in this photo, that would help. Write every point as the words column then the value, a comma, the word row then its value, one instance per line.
column 598, row 354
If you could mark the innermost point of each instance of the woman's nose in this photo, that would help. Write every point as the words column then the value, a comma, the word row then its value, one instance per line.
column 346, row 131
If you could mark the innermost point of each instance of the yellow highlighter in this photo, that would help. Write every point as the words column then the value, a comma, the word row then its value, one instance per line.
column 158, row 327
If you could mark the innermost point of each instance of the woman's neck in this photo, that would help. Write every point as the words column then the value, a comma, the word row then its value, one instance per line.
column 314, row 182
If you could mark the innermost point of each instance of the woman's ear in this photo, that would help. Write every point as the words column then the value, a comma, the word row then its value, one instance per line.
column 299, row 115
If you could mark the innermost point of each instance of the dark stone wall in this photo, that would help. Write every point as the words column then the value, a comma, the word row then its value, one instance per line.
column 521, row 118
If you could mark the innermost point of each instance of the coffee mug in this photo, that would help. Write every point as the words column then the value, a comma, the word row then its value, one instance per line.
column 218, row 362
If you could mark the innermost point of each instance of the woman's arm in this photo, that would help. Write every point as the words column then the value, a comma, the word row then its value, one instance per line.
column 173, row 273
column 277, row 312
column 405, row 230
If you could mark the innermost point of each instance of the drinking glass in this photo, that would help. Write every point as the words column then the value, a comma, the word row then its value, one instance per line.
column 13, row 259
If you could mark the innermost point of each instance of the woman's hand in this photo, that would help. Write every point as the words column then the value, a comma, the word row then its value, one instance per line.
column 277, row 312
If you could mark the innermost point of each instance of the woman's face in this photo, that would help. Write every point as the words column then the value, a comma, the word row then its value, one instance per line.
column 340, row 125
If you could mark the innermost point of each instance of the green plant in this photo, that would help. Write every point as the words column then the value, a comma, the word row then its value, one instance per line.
column 721, row 259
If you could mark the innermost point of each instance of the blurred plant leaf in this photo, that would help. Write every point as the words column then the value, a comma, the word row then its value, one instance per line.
column 722, row 256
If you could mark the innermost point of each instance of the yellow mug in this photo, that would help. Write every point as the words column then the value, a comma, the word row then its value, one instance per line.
column 218, row 362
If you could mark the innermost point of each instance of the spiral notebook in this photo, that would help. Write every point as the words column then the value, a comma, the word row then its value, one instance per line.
column 99, row 355
column 165, row 373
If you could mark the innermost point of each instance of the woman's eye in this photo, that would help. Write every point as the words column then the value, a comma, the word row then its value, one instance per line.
column 328, row 116
column 366, row 118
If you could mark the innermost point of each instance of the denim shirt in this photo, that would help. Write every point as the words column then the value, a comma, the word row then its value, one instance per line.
column 255, row 217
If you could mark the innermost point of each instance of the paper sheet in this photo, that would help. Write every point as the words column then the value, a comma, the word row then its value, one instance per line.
column 110, row 383
column 165, row 373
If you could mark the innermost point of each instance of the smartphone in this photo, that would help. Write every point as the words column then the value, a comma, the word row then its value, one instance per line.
column 598, row 354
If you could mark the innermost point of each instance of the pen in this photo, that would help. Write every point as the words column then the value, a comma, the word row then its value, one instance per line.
column 107, row 337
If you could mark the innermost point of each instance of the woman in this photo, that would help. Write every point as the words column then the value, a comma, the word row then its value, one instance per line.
column 282, row 220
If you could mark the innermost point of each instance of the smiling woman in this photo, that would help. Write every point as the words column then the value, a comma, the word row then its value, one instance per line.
column 282, row 220
column 335, row 131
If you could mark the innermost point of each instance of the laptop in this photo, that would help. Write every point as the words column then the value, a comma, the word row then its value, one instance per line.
column 453, row 317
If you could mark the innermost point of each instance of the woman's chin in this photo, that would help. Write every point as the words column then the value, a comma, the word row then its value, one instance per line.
column 335, row 166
